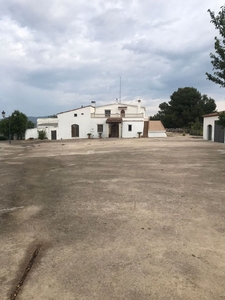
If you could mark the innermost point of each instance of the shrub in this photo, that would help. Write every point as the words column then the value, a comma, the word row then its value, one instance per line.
column 196, row 128
column 222, row 119
column 42, row 134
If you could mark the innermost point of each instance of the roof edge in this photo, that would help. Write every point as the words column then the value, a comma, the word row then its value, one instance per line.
column 213, row 114
column 63, row 112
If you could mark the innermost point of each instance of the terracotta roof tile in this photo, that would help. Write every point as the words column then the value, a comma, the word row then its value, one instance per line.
column 155, row 125
column 114, row 120
column 214, row 114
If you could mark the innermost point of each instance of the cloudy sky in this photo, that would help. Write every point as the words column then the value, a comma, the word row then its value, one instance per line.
column 57, row 55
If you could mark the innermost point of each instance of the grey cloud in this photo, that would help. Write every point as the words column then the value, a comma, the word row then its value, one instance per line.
column 60, row 54
column 112, row 25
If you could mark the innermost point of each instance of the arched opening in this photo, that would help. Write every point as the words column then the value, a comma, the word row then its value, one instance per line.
column 74, row 130
column 209, row 132
column 122, row 113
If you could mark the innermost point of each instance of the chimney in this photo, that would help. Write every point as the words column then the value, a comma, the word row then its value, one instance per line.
column 94, row 104
column 139, row 107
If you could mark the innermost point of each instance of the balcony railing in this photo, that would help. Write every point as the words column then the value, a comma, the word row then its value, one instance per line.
column 94, row 115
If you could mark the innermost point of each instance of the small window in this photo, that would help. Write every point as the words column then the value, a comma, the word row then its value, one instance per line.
column 107, row 113
column 75, row 115
column 82, row 114
column 100, row 128
column 129, row 127
column 122, row 113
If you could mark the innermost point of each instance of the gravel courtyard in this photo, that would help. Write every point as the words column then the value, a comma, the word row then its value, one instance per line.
column 115, row 219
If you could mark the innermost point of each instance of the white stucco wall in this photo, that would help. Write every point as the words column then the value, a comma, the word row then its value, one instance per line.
column 47, row 122
column 137, row 126
column 94, row 122
column 157, row 134
column 115, row 109
column 31, row 134
column 83, row 119
column 89, row 117
column 209, row 121
column 49, row 134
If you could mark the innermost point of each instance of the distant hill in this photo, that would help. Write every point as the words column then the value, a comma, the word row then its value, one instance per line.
column 33, row 119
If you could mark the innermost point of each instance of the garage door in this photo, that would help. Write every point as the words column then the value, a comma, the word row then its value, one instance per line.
column 218, row 133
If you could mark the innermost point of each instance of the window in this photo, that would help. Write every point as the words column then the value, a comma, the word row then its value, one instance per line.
column 122, row 113
column 75, row 115
column 82, row 114
column 129, row 127
column 107, row 113
column 100, row 128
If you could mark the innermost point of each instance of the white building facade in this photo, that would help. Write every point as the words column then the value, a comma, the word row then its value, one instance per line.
column 212, row 131
column 49, row 125
column 108, row 121
column 113, row 120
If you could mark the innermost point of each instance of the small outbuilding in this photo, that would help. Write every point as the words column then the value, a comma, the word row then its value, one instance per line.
column 156, row 129
column 212, row 131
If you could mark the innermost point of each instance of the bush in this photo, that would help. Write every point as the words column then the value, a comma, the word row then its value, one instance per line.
column 42, row 135
column 222, row 119
column 196, row 128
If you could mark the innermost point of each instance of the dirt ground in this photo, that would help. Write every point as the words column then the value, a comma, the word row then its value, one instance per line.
column 117, row 219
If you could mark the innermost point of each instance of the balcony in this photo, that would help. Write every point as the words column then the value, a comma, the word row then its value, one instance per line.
column 94, row 115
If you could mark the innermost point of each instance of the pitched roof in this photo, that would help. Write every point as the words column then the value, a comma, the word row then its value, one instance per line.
column 74, row 109
column 155, row 125
column 213, row 114
column 120, row 105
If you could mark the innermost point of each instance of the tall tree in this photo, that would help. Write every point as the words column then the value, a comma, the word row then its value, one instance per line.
column 30, row 124
column 222, row 119
column 218, row 59
column 186, row 105
column 4, row 128
column 16, row 124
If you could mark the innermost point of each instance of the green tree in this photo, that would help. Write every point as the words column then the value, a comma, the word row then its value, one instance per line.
column 30, row 124
column 207, row 104
column 4, row 128
column 52, row 116
column 185, row 106
column 222, row 119
column 218, row 59
column 18, row 124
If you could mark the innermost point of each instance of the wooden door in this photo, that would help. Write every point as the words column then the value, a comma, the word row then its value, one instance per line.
column 115, row 131
column 53, row 134
column 75, row 130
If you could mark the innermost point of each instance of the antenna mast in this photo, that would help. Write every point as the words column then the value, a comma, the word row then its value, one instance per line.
column 120, row 91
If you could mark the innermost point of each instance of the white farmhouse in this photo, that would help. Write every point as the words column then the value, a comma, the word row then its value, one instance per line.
column 108, row 121
column 212, row 131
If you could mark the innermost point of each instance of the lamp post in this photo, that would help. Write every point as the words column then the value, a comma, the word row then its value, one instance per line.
column 3, row 115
